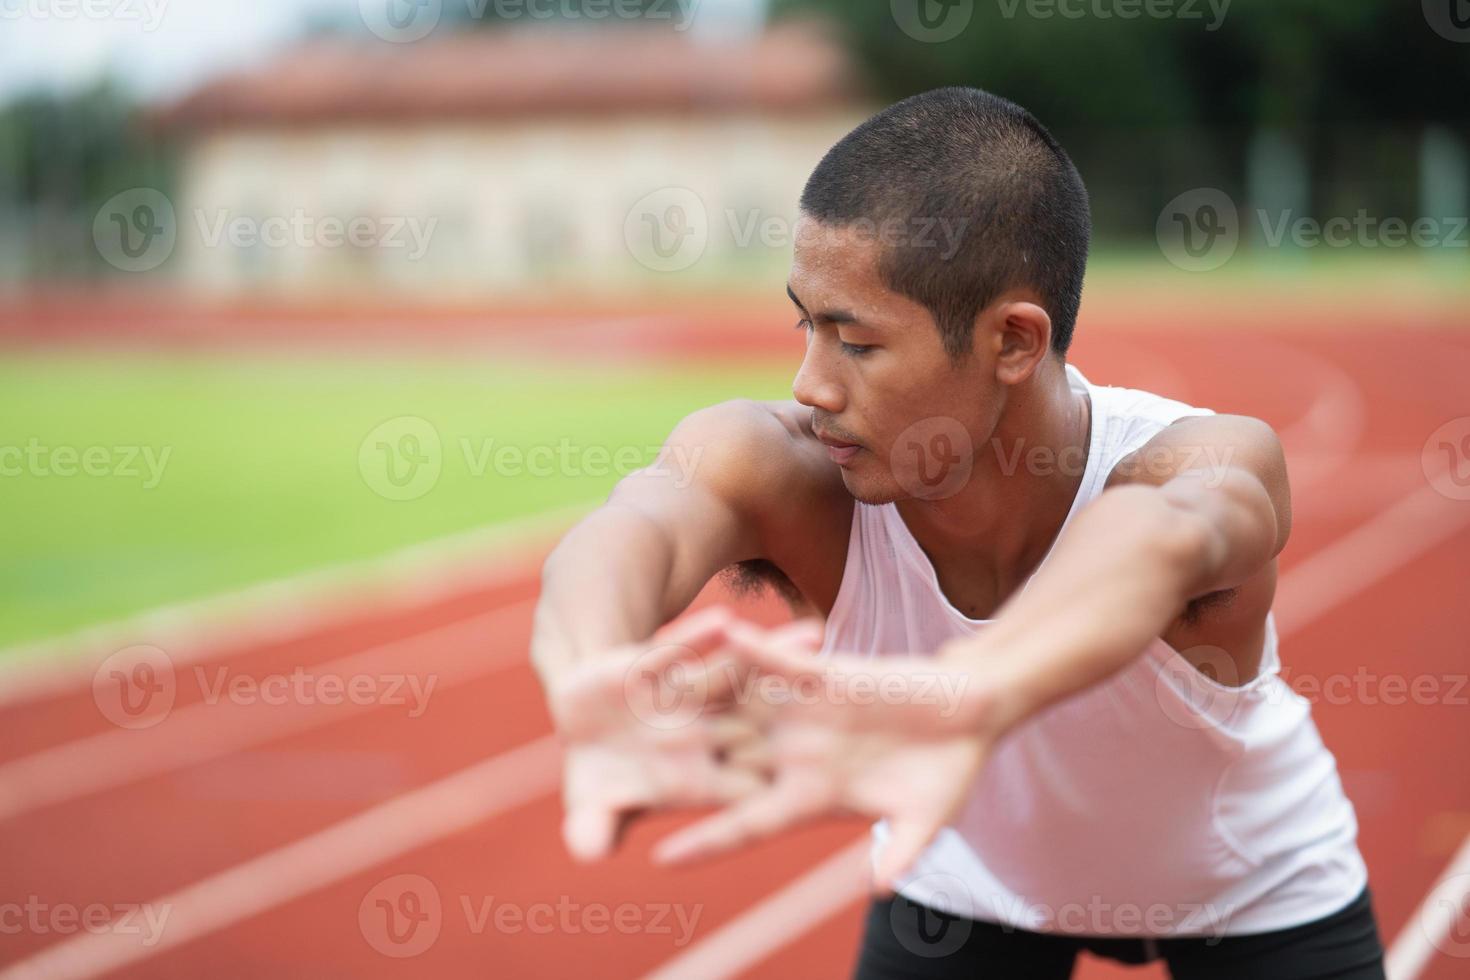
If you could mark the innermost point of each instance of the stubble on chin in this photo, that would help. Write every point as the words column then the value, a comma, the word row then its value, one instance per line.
column 870, row 492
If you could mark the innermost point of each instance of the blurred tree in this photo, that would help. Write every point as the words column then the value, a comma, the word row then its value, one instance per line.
column 63, row 155
column 1293, row 102
column 1272, row 62
column 1339, row 97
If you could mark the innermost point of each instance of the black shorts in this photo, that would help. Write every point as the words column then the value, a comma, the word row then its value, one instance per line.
column 906, row 939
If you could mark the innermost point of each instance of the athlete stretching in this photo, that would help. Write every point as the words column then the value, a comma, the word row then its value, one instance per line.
column 1096, row 750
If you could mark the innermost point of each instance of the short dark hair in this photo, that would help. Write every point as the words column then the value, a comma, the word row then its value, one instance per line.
column 1015, row 205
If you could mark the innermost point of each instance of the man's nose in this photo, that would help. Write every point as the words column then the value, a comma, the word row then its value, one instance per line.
column 814, row 389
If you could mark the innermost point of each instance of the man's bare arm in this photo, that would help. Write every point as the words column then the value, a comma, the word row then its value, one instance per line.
column 617, row 577
column 1209, row 513
column 665, row 531
column 1163, row 533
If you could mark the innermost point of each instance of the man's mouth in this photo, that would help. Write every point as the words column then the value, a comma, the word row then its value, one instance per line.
column 840, row 451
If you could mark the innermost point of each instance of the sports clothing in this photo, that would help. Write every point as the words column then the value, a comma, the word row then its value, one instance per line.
column 1158, row 803
column 903, row 940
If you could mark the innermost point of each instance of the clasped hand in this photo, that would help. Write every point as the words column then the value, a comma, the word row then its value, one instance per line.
column 716, row 710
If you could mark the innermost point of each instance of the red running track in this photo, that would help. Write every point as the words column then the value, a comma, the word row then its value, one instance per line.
column 210, row 839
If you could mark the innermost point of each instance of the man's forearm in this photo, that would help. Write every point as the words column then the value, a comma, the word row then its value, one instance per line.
column 1121, row 572
column 604, row 585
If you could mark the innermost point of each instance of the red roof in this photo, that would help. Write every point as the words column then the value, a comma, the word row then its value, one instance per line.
column 791, row 67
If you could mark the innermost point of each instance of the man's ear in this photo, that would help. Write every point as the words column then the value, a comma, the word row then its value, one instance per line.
column 1021, row 334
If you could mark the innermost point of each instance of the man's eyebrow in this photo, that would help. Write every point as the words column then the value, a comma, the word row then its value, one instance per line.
column 826, row 316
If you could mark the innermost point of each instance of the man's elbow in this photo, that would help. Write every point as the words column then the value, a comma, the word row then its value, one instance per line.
column 1192, row 547
column 1218, row 536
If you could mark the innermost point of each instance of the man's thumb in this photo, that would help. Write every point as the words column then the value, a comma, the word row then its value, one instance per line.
column 906, row 842
column 590, row 832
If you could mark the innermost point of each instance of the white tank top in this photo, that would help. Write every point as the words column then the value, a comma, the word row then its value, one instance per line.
column 1157, row 803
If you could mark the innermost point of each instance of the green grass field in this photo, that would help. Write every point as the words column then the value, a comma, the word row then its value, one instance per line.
column 257, row 468
column 262, row 475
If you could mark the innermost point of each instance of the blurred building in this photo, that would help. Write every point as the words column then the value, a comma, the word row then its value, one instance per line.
column 501, row 161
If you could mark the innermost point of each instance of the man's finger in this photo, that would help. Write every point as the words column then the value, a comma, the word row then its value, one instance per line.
column 751, row 819
column 590, row 831
column 732, row 673
column 704, row 630
column 727, row 675
column 726, row 784
column 729, row 730
column 755, row 756
column 800, row 634
column 691, row 641
column 786, row 653
column 907, row 839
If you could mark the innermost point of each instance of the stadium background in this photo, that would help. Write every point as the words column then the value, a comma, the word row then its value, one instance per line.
column 312, row 342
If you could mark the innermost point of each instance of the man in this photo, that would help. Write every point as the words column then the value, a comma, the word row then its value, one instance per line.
column 1098, row 752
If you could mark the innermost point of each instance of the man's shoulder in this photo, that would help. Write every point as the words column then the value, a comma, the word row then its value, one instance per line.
column 765, row 460
column 761, row 449
column 749, row 418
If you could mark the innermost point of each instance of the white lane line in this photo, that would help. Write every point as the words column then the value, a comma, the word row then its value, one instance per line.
column 1373, row 550
column 1325, row 439
column 1416, row 523
column 203, row 730
column 776, row 920
column 1431, row 926
column 1376, row 478
column 265, row 882
column 801, row 905
column 276, row 610
column 412, row 820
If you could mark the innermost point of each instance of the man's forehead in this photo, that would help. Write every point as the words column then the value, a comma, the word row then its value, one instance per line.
column 833, row 263
column 820, row 240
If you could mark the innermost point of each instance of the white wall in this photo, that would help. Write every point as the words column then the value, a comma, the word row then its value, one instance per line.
column 504, row 207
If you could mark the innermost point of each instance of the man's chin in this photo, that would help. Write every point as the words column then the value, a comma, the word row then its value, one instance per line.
column 868, row 491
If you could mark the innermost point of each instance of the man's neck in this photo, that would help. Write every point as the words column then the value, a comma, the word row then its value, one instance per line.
column 1002, row 523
